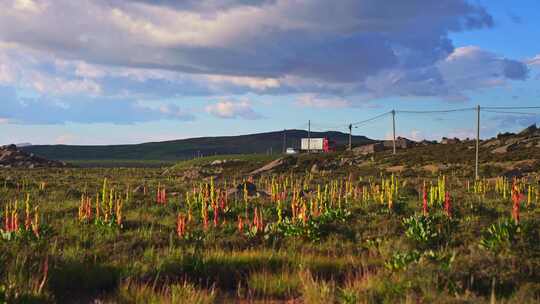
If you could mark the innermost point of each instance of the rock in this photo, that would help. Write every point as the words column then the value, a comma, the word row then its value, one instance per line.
column 138, row 189
column 314, row 169
column 231, row 191
column 530, row 130
column 432, row 168
column 514, row 173
column 263, row 194
column 491, row 143
column 249, row 186
column 368, row 149
column 217, row 162
column 401, row 143
column 395, row 169
column 12, row 157
column 504, row 149
column 191, row 174
column 450, row 141
column 278, row 163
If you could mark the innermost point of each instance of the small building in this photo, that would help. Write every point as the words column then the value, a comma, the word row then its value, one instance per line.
column 368, row 149
column 450, row 141
column 401, row 143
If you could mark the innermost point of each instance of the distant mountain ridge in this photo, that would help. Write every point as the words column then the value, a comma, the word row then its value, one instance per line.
column 189, row 148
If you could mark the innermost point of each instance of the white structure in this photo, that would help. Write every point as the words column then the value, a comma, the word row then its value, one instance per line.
column 314, row 144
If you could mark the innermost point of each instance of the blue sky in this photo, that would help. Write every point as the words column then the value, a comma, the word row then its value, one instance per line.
column 130, row 71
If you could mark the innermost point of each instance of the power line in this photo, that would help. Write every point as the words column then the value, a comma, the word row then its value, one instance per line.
column 510, row 108
column 509, row 112
column 326, row 126
column 434, row 111
column 356, row 124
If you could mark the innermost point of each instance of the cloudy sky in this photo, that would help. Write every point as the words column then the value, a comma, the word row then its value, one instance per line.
column 129, row 71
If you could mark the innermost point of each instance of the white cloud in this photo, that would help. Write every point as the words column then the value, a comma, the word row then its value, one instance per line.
column 462, row 133
column 535, row 61
column 4, row 121
column 29, row 6
column 86, row 70
column 65, row 139
column 270, row 39
column 465, row 69
column 313, row 101
column 6, row 74
column 358, row 50
column 47, row 84
column 173, row 111
column 232, row 109
column 255, row 83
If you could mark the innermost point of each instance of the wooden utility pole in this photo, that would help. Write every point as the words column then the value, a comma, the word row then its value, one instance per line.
column 476, row 175
column 350, row 137
column 394, row 130
column 309, row 137
column 284, row 141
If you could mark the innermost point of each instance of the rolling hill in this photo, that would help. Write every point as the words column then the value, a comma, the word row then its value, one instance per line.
column 188, row 148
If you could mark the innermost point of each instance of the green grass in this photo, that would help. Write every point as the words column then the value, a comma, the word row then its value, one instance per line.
column 244, row 158
column 363, row 253
column 119, row 163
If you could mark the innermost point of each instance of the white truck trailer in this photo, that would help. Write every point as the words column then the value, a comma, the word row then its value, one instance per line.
column 314, row 144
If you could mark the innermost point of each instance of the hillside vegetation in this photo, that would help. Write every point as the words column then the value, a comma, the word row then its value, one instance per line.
column 187, row 148
column 342, row 227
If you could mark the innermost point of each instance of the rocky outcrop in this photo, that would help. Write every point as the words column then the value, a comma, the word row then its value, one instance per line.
column 401, row 143
column 12, row 157
column 274, row 165
column 450, row 141
column 505, row 148
column 368, row 149
column 507, row 142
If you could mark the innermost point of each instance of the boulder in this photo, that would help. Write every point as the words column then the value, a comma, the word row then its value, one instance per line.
column 401, row 143
column 450, row 141
column 276, row 164
column 217, row 162
column 491, row 143
column 368, row 149
column 249, row 186
column 504, row 149
column 12, row 157
column 530, row 130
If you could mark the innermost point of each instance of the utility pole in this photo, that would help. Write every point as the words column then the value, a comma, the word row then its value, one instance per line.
column 476, row 176
column 350, row 137
column 309, row 137
column 394, row 130
column 284, row 141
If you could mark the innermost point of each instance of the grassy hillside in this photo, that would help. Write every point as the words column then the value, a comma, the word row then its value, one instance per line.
column 187, row 148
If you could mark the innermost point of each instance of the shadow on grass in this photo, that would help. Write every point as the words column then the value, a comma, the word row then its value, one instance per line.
column 76, row 280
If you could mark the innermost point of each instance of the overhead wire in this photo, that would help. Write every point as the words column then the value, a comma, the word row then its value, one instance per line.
column 316, row 126
column 511, row 112
column 434, row 111
column 509, row 108
column 359, row 123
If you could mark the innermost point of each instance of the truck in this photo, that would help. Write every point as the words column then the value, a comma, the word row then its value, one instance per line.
column 315, row 144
